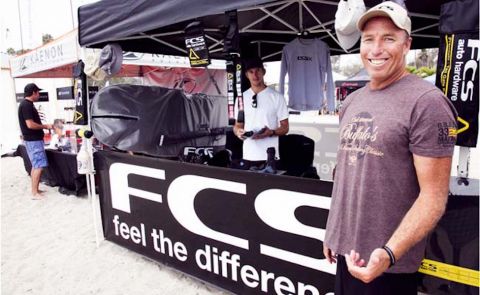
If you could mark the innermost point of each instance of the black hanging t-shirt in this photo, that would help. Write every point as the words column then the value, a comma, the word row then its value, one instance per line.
column 27, row 111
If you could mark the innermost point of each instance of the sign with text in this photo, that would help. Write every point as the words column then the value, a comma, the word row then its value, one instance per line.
column 43, row 97
column 196, row 45
column 249, row 234
column 64, row 93
column 80, row 116
column 60, row 52
column 458, row 78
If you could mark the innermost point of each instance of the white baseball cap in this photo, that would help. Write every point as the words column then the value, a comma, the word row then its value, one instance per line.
column 397, row 13
column 346, row 17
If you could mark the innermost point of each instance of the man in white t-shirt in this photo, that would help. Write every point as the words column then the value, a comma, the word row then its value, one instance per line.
column 266, row 114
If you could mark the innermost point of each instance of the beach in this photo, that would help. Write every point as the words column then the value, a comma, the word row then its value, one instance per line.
column 48, row 247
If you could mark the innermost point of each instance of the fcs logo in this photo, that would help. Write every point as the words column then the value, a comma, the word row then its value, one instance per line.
column 200, row 151
column 181, row 198
column 193, row 42
column 470, row 71
column 307, row 58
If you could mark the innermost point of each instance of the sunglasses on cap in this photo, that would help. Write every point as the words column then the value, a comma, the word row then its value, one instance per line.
column 254, row 101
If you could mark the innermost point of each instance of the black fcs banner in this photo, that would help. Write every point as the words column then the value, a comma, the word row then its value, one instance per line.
column 196, row 45
column 81, row 105
column 458, row 67
column 254, row 233
column 245, row 232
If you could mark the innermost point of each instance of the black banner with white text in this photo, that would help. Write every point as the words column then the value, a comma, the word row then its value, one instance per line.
column 457, row 68
column 249, row 235
column 458, row 78
column 81, row 104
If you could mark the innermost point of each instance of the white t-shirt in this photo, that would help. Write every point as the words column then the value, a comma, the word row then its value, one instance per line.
column 271, row 109
column 307, row 62
column 57, row 142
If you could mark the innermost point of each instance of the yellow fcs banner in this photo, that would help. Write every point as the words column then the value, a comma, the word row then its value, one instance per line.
column 450, row 272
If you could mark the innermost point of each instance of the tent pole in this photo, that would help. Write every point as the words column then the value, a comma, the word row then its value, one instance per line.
column 463, row 162
column 91, row 175
column 212, row 79
column 300, row 16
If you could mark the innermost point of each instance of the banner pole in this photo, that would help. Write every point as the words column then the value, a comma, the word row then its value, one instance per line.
column 91, row 175
column 463, row 161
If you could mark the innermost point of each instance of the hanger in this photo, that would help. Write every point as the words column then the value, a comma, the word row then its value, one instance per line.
column 304, row 34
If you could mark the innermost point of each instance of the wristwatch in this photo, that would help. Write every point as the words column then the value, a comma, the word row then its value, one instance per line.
column 273, row 133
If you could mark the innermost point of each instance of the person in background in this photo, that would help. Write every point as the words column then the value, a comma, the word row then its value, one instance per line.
column 266, row 114
column 32, row 132
column 58, row 139
column 397, row 136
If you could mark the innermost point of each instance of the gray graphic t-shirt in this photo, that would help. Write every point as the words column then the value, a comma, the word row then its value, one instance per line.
column 375, row 182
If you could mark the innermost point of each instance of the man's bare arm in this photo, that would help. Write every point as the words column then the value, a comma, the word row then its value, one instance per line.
column 283, row 129
column 433, row 176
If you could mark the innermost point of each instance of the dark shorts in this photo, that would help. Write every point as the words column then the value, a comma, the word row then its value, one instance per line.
column 36, row 154
column 388, row 283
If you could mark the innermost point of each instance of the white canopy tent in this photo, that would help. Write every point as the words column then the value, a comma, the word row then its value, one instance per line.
column 57, row 58
column 10, row 129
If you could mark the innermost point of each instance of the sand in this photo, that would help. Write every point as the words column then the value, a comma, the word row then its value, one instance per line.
column 48, row 247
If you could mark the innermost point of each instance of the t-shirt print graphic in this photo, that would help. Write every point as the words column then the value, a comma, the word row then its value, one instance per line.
column 357, row 137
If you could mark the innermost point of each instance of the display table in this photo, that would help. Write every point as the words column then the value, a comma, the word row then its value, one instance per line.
column 323, row 130
column 253, row 233
column 61, row 171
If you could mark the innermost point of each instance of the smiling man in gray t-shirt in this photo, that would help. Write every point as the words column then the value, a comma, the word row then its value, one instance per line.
column 397, row 136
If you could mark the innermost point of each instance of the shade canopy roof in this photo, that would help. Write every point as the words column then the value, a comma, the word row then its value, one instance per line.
column 154, row 26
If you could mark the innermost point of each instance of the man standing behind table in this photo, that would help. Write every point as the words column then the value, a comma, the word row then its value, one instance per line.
column 266, row 114
column 397, row 136
column 32, row 131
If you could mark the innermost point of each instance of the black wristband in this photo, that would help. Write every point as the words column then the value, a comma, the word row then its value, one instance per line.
column 390, row 254
column 273, row 133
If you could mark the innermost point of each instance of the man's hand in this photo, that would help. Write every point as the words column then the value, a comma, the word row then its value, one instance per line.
column 379, row 262
column 329, row 254
column 264, row 132
column 48, row 126
column 239, row 133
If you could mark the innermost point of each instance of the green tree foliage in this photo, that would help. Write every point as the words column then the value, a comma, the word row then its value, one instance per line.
column 46, row 38
column 22, row 51
column 422, row 71
column 11, row 51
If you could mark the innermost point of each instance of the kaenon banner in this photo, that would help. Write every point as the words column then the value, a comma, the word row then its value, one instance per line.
column 197, row 49
column 80, row 116
column 458, row 67
column 245, row 232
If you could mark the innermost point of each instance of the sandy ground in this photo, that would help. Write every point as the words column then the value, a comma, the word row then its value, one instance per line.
column 48, row 247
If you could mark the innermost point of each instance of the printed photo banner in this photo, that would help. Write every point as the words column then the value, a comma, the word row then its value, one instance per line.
column 249, row 234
